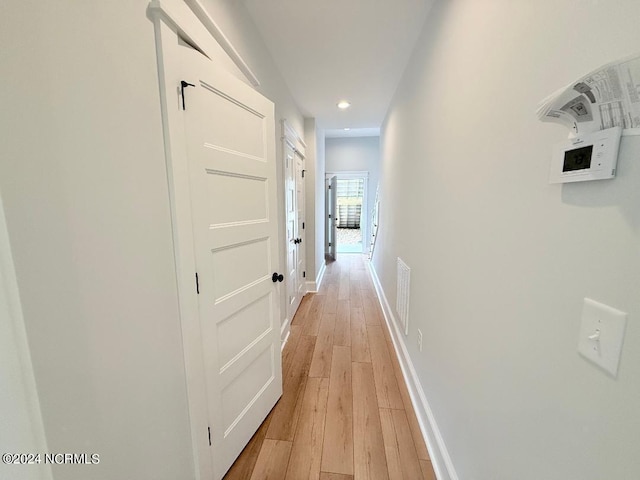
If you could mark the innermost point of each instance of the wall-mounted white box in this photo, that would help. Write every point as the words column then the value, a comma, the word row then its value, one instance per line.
column 602, row 334
column 590, row 156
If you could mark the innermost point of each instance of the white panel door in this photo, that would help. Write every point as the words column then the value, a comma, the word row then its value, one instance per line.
column 300, row 219
column 230, row 136
column 291, row 199
column 294, row 200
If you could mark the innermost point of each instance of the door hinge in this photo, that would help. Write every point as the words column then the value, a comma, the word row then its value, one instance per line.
column 197, row 284
column 303, row 225
column 184, row 85
column 303, row 173
column 304, row 274
column 209, row 430
column 329, row 215
column 329, row 243
column 329, row 187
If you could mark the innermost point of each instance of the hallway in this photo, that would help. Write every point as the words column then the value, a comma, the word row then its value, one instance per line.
column 345, row 412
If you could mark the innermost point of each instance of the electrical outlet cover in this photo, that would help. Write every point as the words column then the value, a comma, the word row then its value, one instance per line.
column 602, row 335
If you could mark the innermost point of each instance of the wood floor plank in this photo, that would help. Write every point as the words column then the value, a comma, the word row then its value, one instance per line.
column 337, row 451
column 416, row 433
column 372, row 312
column 356, row 298
column 286, row 412
column 306, row 453
column 321, row 361
column 359, row 340
column 345, row 288
column 313, row 318
column 335, row 278
column 408, row 456
column 246, row 461
column 427, row 470
column 331, row 299
column 391, row 448
column 355, row 280
column 333, row 268
column 342, row 333
column 327, row 281
column 331, row 277
column 334, row 476
column 272, row 461
column 366, row 285
column 387, row 336
column 290, row 348
column 369, row 461
column 386, row 384
column 298, row 318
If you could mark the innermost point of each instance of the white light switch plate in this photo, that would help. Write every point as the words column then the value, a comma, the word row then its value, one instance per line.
column 602, row 334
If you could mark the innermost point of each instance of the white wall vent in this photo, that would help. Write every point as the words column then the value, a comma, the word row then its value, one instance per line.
column 402, row 295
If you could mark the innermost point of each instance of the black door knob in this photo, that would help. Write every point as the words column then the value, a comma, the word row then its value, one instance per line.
column 277, row 277
column 299, row 240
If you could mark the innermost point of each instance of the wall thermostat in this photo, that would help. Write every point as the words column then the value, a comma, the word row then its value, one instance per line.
column 591, row 156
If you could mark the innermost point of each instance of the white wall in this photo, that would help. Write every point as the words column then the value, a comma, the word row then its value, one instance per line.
column 85, row 190
column 314, row 198
column 356, row 154
column 83, row 177
column 501, row 260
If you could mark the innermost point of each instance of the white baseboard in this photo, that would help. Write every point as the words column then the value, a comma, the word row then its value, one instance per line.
column 285, row 330
column 313, row 287
column 440, row 458
column 320, row 276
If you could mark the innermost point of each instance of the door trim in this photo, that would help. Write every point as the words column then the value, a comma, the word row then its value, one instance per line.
column 365, row 201
column 192, row 22
column 173, row 20
column 290, row 137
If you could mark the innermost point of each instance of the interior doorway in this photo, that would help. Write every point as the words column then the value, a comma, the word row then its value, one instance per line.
column 351, row 212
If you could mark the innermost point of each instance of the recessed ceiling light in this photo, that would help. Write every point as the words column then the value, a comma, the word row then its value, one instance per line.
column 343, row 104
column 347, row 129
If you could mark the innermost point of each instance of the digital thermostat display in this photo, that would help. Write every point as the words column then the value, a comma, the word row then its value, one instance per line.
column 592, row 156
column 577, row 159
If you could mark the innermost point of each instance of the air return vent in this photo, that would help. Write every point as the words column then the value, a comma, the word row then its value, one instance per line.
column 402, row 296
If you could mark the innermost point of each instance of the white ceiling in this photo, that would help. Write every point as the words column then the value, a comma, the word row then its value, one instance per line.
column 329, row 50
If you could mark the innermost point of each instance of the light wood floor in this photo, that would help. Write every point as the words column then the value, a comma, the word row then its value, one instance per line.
column 345, row 413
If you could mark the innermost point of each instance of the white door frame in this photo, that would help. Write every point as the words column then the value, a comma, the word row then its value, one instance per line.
column 294, row 140
column 330, row 217
column 364, row 225
column 173, row 19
